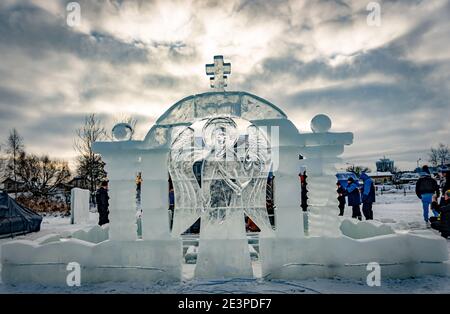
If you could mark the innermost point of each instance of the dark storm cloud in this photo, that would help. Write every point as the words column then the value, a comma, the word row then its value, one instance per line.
column 10, row 97
column 24, row 102
column 36, row 32
column 383, row 60
column 373, row 98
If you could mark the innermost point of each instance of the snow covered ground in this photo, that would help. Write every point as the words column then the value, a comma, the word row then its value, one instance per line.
column 402, row 212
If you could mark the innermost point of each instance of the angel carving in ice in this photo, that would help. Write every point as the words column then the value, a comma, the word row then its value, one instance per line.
column 235, row 165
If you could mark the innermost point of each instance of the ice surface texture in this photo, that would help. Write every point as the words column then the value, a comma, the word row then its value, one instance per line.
column 233, row 177
column 79, row 206
column 399, row 255
column 237, row 104
column 109, row 261
column 235, row 162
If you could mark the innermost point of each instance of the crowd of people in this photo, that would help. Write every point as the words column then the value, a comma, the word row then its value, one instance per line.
column 436, row 197
column 356, row 196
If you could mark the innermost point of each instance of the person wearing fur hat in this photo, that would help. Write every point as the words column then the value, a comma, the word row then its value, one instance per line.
column 367, row 196
column 354, row 198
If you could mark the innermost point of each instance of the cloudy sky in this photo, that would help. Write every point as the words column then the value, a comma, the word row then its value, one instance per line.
column 389, row 84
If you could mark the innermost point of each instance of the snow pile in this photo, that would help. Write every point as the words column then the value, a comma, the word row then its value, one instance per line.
column 364, row 229
column 94, row 234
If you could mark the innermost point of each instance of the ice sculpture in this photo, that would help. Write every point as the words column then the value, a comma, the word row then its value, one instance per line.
column 237, row 138
column 235, row 157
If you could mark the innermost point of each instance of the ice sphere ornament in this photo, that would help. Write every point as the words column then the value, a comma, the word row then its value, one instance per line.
column 321, row 123
column 122, row 132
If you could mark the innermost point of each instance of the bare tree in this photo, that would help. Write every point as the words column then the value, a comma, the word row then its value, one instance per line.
column 40, row 174
column 433, row 157
column 14, row 148
column 440, row 155
column 2, row 164
column 358, row 169
column 90, row 165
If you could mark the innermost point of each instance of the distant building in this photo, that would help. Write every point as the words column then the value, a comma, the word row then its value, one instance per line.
column 408, row 177
column 10, row 186
column 385, row 165
column 385, row 177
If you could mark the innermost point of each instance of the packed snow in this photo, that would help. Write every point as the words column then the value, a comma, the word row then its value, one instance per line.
column 397, row 210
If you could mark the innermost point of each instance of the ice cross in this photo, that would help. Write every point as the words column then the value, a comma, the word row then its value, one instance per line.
column 218, row 72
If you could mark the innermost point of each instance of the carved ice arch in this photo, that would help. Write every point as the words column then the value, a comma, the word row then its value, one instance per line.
column 236, row 104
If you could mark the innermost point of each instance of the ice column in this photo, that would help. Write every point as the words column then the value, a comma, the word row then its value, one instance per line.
column 154, row 195
column 121, row 169
column 321, row 151
column 288, row 214
column 285, row 165
column 79, row 206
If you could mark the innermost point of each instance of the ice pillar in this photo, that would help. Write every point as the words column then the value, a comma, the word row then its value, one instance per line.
column 288, row 214
column 321, row 150
column 323, row 213
column 121, row 169
column 154, row 195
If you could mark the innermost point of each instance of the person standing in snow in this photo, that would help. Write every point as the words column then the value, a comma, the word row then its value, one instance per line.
column 442, row 223
column 445, row 185
column 368, row 196
column 341, row 198
column 102, row 199
column 426, row 187
column 304, row 191
column 354, row 198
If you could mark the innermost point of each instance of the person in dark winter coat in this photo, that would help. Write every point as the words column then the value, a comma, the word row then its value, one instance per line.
column 341, row 198
column 445, row 185
column 367, row 196
column 426, row 187
column 304, row 191
column 442, row 223
column 102, row 199
column 354, row 198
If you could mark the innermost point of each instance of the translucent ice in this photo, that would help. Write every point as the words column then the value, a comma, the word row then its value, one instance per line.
column 79, row 206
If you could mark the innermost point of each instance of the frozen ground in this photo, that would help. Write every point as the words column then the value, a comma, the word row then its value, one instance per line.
column 402, row 212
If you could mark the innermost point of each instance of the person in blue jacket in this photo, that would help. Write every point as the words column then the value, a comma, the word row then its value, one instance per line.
column 368, row 196
column 354, row 198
